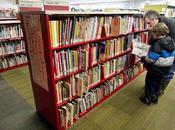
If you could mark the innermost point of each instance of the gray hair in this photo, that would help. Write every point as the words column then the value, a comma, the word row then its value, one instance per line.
column 152, row 14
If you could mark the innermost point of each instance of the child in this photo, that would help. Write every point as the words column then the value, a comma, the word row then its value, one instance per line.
column 158, row 61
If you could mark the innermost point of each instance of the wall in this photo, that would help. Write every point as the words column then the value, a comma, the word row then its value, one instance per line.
column 122, row 4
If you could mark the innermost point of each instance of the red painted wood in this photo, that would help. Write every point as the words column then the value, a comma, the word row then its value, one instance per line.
column 50, row 73
column 52, row 7
column 30, row 9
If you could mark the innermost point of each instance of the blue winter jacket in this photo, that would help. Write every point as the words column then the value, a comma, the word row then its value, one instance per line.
column 161, row 55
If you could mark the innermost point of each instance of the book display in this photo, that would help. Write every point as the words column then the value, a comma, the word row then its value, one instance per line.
column 77, row 61
column 12, row 47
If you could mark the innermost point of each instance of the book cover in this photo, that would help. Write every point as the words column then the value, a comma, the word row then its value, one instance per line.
column 140, row 49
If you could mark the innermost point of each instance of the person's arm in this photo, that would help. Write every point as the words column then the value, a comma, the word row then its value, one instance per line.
column 153, row 54
column 170, row 22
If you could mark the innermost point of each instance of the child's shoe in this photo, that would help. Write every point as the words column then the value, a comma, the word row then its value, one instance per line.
column 154, row 99
column 145, row 100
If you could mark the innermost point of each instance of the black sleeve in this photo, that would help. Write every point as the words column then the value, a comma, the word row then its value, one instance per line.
column 170, row 22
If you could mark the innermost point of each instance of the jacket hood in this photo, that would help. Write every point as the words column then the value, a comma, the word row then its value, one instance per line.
column 167, row 43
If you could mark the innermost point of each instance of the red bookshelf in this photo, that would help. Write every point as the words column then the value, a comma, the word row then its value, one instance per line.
column 41, row 53
column 12, row 47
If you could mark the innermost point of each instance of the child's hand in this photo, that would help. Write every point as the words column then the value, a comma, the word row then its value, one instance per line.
column 143, row 59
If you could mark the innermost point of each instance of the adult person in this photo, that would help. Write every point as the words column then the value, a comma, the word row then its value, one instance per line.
column 151, row 18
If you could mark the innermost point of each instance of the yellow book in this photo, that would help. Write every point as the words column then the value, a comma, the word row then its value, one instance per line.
column 60, row 35
column 51, row 33
column 56, row 37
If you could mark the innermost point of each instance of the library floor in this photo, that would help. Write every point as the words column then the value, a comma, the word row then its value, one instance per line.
column 122, row 111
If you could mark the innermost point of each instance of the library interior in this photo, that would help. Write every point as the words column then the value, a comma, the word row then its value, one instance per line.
column 87, row 64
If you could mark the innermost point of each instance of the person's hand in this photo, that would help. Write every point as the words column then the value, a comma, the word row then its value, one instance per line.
column 143, row 59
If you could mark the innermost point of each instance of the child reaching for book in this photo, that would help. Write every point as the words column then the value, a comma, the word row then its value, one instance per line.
column 158, row 61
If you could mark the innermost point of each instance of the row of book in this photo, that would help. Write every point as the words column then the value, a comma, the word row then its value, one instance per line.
column 10, row 31
column 11, row 47
column 77, row 29
column 142, row 37
column 70, row 60
column 12, row 61
column 80, row 83
column 73, row 109
column 133, row 71
column 110, row 48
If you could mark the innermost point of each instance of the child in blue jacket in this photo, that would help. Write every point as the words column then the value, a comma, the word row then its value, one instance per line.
column 158, row 61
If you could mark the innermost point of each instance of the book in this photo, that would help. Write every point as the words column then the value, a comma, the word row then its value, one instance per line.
column 140, row 49
column 79, row 86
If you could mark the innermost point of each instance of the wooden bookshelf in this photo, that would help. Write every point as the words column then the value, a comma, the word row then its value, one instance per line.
column 12, row 46
column 42, row 55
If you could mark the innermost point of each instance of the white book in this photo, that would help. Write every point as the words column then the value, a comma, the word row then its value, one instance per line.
column 140, row 49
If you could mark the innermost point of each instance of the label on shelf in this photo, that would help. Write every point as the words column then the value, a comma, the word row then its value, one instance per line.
column 30, row 5
column 56, row 5
column 35, row 47
column 57, row 2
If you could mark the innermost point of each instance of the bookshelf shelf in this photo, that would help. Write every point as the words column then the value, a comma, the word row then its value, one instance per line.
column 107, row 59
column 13, row 67
column 95, row 40
column 66, row 101
column 70, row 74
column 12, row 21
column 103, row 80
column 5, row 55
column 12, row 46
column 48, row 60
column 11, row 39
